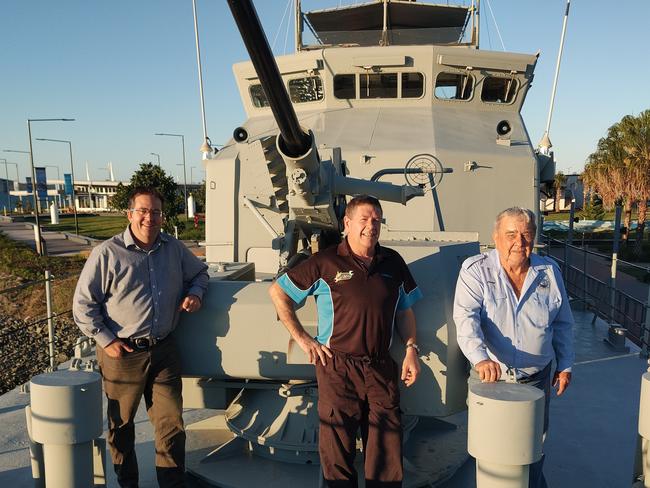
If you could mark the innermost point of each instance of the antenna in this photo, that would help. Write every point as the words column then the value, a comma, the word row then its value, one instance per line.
column 545, row 145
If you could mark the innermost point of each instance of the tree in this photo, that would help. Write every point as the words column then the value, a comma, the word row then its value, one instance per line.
column 559, row 180
column 619, row 170
column 636, row 141
column 153, row 176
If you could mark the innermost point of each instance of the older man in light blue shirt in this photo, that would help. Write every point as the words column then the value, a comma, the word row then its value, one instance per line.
column 512, row 312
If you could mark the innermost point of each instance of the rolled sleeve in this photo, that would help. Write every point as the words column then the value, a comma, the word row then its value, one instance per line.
column 468, row 302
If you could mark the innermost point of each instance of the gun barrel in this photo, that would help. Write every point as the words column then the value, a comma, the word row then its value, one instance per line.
column 296, row 142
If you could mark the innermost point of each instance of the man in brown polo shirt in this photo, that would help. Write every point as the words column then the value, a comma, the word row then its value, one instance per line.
column 362, row 291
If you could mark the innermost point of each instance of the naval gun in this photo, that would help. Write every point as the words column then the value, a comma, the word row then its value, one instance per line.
column 314, row 188
column 236, row 354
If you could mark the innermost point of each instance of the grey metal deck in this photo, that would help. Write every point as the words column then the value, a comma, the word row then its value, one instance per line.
column 591, row 440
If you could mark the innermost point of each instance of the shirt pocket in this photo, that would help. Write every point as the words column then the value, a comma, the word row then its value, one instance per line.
column 541, row 307
column 496, row 308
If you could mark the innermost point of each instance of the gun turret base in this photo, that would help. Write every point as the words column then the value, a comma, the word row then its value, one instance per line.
column 433, row 452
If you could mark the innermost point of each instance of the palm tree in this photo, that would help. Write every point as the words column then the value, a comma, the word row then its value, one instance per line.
column 559, row 180
column 619, row 170
column 636, row 140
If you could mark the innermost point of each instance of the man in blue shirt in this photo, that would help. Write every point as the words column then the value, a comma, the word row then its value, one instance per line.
column 512, row 313
column 129, row 297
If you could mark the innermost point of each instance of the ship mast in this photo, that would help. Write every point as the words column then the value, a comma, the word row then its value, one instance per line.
column 545, row 145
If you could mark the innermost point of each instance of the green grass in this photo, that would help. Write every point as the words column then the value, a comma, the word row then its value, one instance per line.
column 95, row 226
column 106, row 226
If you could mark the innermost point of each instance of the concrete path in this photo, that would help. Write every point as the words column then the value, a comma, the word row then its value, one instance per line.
column 57, row 243
column 63, row 243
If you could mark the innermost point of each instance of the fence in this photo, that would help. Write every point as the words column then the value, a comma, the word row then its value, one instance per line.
column 591, row 278
column 36, row 323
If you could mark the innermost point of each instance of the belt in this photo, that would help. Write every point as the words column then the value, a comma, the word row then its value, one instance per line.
column 142, row 343
column 374, row 359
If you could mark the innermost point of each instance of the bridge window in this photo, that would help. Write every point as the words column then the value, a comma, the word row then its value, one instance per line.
column 345, row 86
column 412, row 85
column 499, row 90
column 378, row 85
column 258, row 96
column 454, row 86
column 309, row 89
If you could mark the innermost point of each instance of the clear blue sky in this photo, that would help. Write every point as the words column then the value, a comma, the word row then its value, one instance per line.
column 126, row 69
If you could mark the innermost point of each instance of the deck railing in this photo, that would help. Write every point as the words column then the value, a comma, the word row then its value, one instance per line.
column 601, row 295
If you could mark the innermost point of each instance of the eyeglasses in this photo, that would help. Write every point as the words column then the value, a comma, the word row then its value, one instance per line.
column 147, row 211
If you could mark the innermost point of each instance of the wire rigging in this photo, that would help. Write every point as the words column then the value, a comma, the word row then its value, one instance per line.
column 495, row 24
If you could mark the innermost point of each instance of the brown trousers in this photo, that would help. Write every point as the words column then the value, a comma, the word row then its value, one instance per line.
column 353, row 394
column 156, row 374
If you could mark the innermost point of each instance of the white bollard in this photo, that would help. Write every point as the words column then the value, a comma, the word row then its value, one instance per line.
column 505, row 431
column 66, row 411
column 54, row 213
column 644, row 429
column 191, row 206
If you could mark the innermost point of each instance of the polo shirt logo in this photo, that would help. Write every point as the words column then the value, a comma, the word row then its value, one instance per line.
column 343, row 276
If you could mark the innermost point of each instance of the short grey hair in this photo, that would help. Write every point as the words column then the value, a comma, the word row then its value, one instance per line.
column 523, row 213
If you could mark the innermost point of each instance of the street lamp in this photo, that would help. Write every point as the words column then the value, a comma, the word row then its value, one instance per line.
column 39, row 247
column 187, row 214
column 158, row 156
column 74, row 203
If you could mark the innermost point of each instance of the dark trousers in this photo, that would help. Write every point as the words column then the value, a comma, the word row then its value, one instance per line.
column 156, row 374
column 359, row 394
column 542, row 381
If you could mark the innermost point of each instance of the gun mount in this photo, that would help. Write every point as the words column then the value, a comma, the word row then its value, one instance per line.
column 322, row 124
column 314, row 187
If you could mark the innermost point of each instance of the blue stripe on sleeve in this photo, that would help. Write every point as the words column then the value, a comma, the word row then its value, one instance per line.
column 325, row 306
column 321, row 291
column 407, row 300
column 296, row 294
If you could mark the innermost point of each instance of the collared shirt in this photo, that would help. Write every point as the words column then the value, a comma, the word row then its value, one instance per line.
column 524, row 333
column 125, row 291
column 356, row 303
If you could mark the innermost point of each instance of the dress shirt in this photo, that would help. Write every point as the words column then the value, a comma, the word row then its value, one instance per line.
column 524, row 333
column 125, row 291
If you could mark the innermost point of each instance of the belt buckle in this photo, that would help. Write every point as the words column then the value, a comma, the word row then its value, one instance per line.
column 142, row 343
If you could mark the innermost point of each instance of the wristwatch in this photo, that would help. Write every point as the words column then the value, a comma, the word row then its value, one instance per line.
column 414, row 346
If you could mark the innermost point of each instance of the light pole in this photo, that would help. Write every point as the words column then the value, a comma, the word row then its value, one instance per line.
column 74, row 203
column 39, row 247
column 158, row 156
column 187, row 214
column 192, row 174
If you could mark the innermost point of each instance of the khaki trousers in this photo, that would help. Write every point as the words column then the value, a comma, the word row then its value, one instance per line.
column 156, row 374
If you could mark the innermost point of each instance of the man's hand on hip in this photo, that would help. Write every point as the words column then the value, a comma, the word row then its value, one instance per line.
column 561, row 381
column 410, row 366
column 314, row 349
column 191, row 303
column 115, row 348
column 488, row 371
